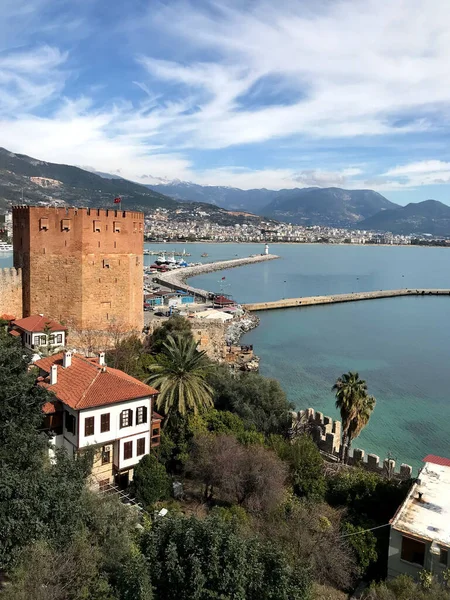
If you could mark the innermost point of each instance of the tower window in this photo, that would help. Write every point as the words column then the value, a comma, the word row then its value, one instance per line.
column 65, row 224
column 116, row 226
column 96, row 225
column 105, row 263
column 43, row 223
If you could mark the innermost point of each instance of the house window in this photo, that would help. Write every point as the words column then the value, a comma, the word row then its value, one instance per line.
column 70, row 423
column 40, row 340
column 89, row 426
column 106, row 455
column 141, row 415
column 126, row 418
column 140, row 446
column 156, row 431
column 413, row 551
column 443, row 556
column 59, row 338
column 104, row 422
column 127, row 450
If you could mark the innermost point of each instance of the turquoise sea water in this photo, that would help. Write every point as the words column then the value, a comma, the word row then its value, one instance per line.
column 401, row 346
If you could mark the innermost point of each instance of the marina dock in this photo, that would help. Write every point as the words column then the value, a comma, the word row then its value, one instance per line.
column 176, row 279
column 336, row 298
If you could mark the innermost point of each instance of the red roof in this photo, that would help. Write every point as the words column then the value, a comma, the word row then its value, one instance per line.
column 49, row 408
column 38, row 324
column 156, row 417
column 86, row 384
column 14, row 332
column 437, row 460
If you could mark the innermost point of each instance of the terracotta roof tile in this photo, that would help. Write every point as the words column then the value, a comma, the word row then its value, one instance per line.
column 38, row 324
column 14, row 332
column 49, row 408
column 437, row 460
column 86, row 384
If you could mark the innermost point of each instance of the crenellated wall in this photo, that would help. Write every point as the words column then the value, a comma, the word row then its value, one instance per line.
column 11, row 292
column 327, row 434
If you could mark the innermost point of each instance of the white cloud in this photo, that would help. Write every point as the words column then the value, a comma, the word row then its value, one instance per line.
column 342, row 69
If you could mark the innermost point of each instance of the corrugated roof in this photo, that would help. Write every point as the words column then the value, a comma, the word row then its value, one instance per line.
column 437, row 460
column 86, row 384
column 38, row 324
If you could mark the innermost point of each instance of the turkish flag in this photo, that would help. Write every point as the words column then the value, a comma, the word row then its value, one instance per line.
column 117, row 200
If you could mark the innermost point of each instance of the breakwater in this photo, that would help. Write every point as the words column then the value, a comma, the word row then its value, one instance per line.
column 336, row 298
column 176, row 280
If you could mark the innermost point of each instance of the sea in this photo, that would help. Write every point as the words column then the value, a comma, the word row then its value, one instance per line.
column 400, row 346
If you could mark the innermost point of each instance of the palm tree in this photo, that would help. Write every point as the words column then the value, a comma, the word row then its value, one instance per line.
column 350, row 389
column 360, row 419
column 179, row 374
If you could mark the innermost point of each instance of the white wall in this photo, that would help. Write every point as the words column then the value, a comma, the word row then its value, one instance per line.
column 114, row 432
column 398, row 566
column 35, row 339
column 119, row 462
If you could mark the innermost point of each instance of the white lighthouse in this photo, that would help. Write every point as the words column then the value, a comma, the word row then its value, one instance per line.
column 266, row 249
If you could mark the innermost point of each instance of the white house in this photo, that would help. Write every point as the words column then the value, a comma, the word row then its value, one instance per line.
column 420, row 530
column 38, row 331
column 101, row 407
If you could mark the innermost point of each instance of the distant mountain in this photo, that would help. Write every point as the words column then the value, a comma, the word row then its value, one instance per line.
column 333, row 207
column 429, row 216
column 227, row 197
column 45, row 181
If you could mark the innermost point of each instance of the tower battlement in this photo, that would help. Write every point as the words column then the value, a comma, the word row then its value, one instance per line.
column 83, row 265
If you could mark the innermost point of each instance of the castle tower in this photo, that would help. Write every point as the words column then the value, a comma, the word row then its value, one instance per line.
column 81, row 265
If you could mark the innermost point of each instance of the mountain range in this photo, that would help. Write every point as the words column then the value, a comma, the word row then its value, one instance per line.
column 429, row 216
column 33, row 180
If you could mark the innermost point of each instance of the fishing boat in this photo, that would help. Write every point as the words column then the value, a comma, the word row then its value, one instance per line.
column 161, row 259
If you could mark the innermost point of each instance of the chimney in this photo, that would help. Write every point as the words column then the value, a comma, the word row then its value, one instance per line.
column 101, row 359
column 67, row 359
column 53, row 375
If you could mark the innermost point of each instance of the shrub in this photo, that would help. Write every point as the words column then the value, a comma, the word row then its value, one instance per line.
column 150, row 482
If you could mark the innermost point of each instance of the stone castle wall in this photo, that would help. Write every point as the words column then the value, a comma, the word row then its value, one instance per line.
column 82, row 266
column 11, row 293
column 327, row 434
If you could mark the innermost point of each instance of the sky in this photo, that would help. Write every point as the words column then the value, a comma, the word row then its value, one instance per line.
column 243, row 93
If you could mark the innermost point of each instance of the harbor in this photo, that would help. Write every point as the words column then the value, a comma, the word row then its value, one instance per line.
column 176, row 280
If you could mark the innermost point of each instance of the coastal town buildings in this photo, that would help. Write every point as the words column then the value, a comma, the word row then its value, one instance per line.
column 81, row 265
column 160, row 226
column 420, row 530
column 96, row 406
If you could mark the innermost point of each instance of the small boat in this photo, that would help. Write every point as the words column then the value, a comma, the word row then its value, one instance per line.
column 171, row 260
column 161, row 259
column 204, row 254
column 4, row 247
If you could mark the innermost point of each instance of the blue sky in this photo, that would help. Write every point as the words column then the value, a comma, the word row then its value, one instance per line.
column 247, row 93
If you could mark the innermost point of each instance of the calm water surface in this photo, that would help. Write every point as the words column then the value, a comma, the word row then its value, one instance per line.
column 401, row 346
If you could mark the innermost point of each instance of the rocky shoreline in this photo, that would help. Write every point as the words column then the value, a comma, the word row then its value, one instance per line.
column 236, row 329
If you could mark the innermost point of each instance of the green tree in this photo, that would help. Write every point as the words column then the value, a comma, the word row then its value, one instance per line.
column 179, row 374
column 259, row 401
column 38, row 499
column 404, row 587
column 350, row 390
column 150, row 481
column 305, row 463
column 130, row 356
column 175, row 326
column 363, row 544
column 192, row 559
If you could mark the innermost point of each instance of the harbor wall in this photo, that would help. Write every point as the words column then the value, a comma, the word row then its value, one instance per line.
column 11, row 293
column 326, row 433
column 336, row 298
column 176, row 280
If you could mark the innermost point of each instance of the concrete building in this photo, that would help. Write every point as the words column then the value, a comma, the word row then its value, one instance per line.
column 81, row 265
column 100, row 407
column 420, row 530
column 38, row 331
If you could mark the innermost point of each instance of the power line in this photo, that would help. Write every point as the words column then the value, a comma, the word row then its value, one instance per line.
column 365, row 530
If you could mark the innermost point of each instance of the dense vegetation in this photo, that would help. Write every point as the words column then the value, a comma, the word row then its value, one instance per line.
column 260, row 517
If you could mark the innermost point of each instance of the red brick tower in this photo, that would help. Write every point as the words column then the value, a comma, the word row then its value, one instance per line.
column 81, row 265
